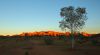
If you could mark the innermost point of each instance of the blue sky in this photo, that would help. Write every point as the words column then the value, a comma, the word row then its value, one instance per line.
column 18, row 16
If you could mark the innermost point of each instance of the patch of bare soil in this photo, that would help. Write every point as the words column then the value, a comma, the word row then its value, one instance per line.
column 37, row 48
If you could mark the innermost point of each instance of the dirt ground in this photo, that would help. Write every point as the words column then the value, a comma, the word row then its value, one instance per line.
column 39, row 48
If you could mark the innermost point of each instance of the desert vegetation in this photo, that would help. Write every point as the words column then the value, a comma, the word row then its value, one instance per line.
column 34, row 15
column 54, row 43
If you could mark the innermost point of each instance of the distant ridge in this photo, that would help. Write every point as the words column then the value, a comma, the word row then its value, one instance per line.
column 49, row 33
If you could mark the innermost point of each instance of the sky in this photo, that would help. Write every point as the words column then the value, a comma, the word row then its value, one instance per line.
column 17, row 16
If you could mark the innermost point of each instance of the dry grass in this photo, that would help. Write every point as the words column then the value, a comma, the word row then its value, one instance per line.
column 38, row 47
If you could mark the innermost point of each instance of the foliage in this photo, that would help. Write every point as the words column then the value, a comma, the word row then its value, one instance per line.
column 26, row 53
column 73, row 19
column 48, row 40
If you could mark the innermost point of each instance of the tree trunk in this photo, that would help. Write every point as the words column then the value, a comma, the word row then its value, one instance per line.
column 72, row 37
column 73, row 42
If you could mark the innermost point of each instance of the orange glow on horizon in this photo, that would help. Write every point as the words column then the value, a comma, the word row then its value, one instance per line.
column 49, row 33
column 86, row 34
column 52, row 33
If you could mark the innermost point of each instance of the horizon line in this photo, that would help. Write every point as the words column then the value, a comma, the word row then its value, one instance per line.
column 45, row 31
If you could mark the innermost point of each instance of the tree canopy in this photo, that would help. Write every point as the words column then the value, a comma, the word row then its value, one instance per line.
column 73, row 18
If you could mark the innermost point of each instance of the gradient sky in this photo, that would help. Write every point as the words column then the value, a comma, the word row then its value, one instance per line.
column 17, row 16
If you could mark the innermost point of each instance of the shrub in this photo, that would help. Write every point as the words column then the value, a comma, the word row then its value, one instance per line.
column 48, row 40
column 26, row 53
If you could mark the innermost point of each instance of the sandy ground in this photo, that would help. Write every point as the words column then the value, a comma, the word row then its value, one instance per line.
column 38, row 48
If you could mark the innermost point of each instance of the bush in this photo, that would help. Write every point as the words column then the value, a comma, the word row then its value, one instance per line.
column 48, row 40
column 26, row 53
column 95, row 43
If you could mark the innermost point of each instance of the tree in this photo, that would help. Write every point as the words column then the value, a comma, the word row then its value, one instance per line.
column 73, row 19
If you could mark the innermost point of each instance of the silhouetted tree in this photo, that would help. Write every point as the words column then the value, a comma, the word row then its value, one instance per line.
column 73, row 19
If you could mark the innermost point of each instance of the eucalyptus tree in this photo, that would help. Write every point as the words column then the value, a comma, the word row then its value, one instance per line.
column 73, row 19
